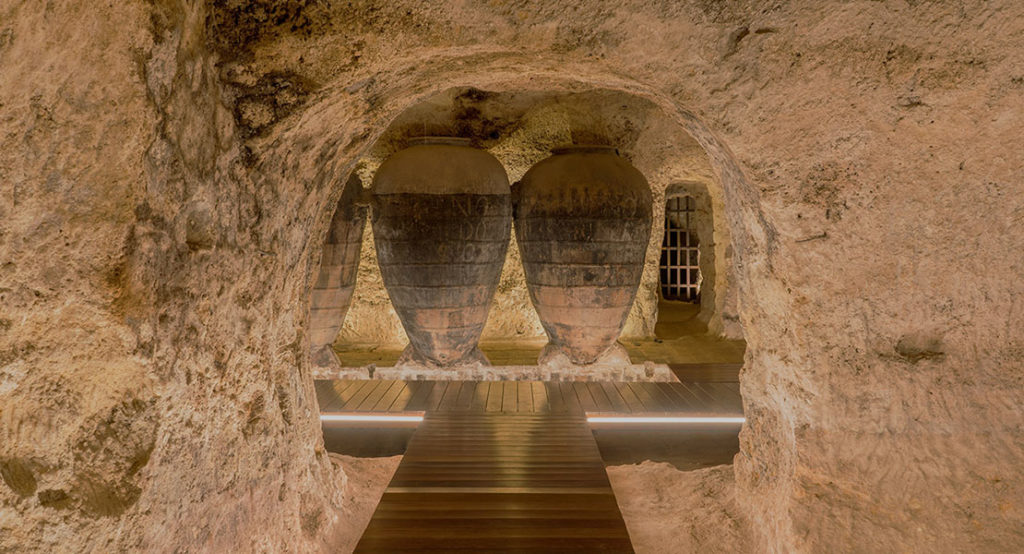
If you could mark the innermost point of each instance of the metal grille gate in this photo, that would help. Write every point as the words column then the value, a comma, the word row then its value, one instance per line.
column 680, row 271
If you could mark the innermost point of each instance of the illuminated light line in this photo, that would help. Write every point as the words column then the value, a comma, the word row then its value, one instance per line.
column 641, row 419
column 371, row 417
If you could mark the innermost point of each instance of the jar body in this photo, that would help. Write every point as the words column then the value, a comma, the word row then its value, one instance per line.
column 339, row 264
column 583, row 222
column 442, row 219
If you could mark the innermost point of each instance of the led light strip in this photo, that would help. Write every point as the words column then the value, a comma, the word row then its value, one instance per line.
column 591, row 419
column 641, row 419
column 371, row 418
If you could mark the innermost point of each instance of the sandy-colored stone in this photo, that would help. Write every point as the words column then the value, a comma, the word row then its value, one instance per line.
column 366, row 479
column 670, row 511
column 168, row 171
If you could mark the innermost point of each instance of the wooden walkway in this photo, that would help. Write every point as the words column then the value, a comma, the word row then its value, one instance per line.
column 499, row 482
column 388, row 396
column 512, row 466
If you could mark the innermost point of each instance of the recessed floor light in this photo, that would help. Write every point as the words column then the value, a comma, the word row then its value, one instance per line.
column 642, row 419
column 372, row 418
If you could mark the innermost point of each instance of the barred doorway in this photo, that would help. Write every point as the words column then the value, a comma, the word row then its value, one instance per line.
column 680, row 269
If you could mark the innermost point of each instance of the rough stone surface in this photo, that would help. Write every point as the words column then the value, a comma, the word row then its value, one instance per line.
column 168, row 172
column 667, row 510
column 367, row 478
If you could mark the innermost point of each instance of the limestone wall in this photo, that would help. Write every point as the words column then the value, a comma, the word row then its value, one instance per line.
column 168, row 173
column 154, row 391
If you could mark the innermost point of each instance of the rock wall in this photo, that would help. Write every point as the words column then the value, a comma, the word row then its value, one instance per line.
column 667, row 510
column 169, row 172
column 154, row 391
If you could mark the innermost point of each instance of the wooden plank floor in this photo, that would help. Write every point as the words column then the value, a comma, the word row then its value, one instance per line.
column 512, row 465
column 531, row 397
column 480, row 480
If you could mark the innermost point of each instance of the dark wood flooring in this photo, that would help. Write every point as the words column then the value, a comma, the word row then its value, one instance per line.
column 499, row 482
column 513, row 466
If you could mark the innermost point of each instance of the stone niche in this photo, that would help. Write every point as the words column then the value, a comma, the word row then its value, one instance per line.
column 718, row 309
column 520, row 128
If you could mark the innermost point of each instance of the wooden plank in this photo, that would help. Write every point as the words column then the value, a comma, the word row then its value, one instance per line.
column 663, row 403
column 494, row 397
column 555, row 402
column 524, row 396
column 572, row 402
column 466, row 395
column 707, row 372
column 420, row 396
column 584, row 396
column 385, row 402
column 451, row 396
column 632, row 400
column 508, row 396
column 650, row 405
column 379, row 390
column 335, row 393
column 540, row 397
column 528, row 481
column 699, row 402
column 345, row 388
column 722, row 401
column 529, row 396
column 480, row 396
column 615, row 398
column 353, row 402
column 402, row 400
column 326, row 397
column 682, row 400
column 437, row 394
column 600, row 398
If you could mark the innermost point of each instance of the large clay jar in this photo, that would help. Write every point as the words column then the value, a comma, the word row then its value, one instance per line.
column 583, row 221
column 332, row 292
column 441, row 224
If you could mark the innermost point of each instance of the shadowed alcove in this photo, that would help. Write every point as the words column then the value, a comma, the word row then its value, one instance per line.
column 520, row 128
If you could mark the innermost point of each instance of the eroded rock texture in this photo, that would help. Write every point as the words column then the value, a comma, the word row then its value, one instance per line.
column 169, row 170
column 667, row 510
